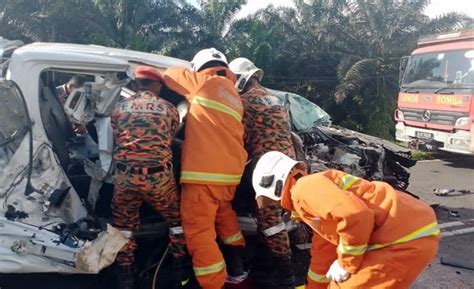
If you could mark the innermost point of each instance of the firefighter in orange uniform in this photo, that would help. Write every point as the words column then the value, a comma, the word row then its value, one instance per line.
column 267, row 128
column 213, row 159
column 144, row 126
column 366, row 234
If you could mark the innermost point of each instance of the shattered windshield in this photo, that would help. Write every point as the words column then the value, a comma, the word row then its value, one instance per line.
column 439, row 69
column 305, row 114
column 13, row 122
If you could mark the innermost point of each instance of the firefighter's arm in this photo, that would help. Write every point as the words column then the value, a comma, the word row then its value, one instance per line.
column 248, row 123
column 323, row 253
column 182, row 81
column 355, row 221
column 174, row 122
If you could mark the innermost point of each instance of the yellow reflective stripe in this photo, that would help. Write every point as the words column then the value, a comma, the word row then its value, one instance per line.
column 217, row 178
column 217, row 106
column 233, row 238
column 301, row 287
column 347, row 181
column 214, row 268
column 428, row 230
column 351, row 250
column 317, row 277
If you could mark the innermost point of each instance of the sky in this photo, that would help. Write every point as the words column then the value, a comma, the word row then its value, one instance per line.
column 436, row 8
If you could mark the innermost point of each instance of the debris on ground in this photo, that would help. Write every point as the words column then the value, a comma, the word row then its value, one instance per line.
column 450, row 192
column 439, row 208
column 457, row 262
column 453, row 213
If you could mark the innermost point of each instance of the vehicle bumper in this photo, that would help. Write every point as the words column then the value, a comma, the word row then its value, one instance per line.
column 458, row 142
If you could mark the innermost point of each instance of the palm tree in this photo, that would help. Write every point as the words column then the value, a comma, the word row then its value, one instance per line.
column 384, row 32
column 60, row 21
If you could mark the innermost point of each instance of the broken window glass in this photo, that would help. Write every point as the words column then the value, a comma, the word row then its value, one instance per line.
column 13, row 122
column 305, row 115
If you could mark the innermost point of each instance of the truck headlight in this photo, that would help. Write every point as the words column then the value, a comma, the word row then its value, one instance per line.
column 459, row 142
column 462, row 121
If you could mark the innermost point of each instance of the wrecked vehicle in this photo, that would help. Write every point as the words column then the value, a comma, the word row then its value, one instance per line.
column 55, row 183
column 325, row 145
column 56, row 186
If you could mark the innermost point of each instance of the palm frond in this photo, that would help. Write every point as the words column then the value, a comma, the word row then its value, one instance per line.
column 359, row 74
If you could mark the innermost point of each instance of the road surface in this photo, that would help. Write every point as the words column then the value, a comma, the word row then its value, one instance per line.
column 457, row 214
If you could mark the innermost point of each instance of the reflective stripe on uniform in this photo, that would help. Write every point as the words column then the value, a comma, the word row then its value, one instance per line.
column 317, row 277
column 352, row 250
column 176, row 230
column 274, row 230
column 210, row 177
column 304, row 246
column 428, row 230
column 300, row 287
column 347, row 181
column 214, row 268
column 232, row 239
column 209, row 103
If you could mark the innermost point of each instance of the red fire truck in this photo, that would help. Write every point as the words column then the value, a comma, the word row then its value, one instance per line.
column 436, row 103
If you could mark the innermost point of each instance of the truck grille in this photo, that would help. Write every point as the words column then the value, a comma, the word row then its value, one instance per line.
column 433, row 116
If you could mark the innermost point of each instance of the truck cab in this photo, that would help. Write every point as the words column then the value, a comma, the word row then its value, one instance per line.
column 435, row 103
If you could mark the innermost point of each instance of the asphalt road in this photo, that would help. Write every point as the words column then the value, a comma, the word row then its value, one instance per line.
column 456, row 212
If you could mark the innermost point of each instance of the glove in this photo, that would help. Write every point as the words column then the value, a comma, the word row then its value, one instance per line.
column 336, row 273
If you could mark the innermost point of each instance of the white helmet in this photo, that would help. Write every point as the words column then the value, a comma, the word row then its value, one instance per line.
column 270, row 174
column 244, row 69
column 206, row 55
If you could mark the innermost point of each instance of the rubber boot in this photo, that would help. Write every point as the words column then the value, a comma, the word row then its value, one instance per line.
column 125, row 277
column 235, row 264
column 282, row 275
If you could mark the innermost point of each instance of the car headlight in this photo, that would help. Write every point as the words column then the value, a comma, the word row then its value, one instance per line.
column 462, row 121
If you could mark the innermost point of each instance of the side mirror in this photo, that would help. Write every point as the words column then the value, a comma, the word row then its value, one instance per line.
column 403, row 65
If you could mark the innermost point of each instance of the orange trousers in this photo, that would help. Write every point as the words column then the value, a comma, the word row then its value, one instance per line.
column 394, row 267
column 206, row 212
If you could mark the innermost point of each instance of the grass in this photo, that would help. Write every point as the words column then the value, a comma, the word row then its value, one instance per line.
column 421, row 155
column 418, row 155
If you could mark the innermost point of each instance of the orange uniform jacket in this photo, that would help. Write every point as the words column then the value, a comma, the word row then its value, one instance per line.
column 213, row 150
column 356, row 216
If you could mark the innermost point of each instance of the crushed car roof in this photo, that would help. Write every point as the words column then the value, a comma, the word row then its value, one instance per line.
column 67, row 52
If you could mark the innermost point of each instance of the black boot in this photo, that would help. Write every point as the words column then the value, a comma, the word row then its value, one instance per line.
column 282, row 275
column 182, row 268
column 125, row 277
column 235, row 263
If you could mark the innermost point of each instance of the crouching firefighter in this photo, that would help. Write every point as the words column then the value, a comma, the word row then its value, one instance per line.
column 212, row 162
column 267, row 128
column 144, row 126
column 366, row 234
